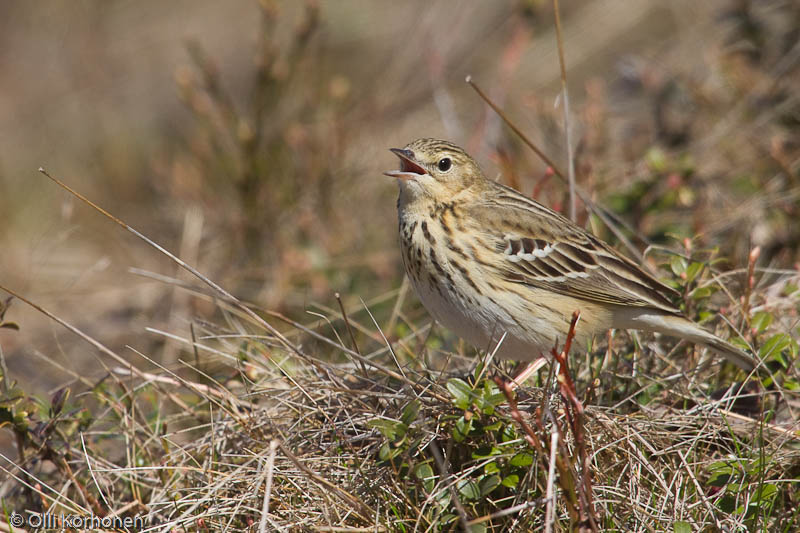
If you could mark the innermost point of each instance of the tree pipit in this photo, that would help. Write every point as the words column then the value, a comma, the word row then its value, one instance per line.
column 489, row 263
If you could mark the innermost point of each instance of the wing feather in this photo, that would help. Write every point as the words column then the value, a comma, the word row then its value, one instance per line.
column 540, row 248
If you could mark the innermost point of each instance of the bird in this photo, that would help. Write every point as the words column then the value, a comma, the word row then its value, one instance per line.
column 505, row 273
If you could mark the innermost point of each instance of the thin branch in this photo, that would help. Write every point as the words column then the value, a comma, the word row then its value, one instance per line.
column 222, row 292
column 352, row 335
column 595, row 209
column 567, row 126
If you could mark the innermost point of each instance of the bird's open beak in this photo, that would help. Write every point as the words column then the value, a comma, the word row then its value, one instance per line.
column 409, row 169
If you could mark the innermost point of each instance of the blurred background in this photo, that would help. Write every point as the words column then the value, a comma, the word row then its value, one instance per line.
column 249, row 138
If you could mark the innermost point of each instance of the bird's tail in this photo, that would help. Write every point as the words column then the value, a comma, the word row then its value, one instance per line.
column 684, row 328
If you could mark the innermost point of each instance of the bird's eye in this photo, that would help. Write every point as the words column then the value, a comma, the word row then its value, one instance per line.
column 444, row 164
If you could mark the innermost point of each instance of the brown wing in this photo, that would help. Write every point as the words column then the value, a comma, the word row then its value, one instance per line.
column 539, row 247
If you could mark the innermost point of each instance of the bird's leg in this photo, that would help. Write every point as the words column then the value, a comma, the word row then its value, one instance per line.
column 521, row 376
column 529, row 369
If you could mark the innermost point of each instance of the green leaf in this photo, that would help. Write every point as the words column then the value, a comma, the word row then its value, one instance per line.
column 490, row 389
column 739, row 342
column 761, row 321
column 678, row 265
column 702, row 316
column 462, row 429
column 388, row 452
column 391, row 429
column 448, row 517
column 461, row 392
column 469, row 490
column 701, row 293
column 490, row 397
column 491, row 468
column 728, row 505
column 410, row 413
column 522, row 459
column 489, row 483
column 721, row 473
column 694, row 270
column 477, row 528
column 510, row 481
column 493, row 427
column 686, row 164
column 656, row 159
column 774, row 346
column 789, row 289
column 509, row 434
column 681, row 527
column 424, row 473
column 401, row 329
column 484, row 452
column 478, row 370
column 764, row 494
column 495, row 399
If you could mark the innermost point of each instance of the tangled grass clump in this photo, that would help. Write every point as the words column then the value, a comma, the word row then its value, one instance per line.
column 295, row 430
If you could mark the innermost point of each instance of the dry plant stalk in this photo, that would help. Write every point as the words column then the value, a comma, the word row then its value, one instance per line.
column 573, row 478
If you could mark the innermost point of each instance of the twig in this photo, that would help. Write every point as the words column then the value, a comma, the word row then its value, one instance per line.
column 273, row 446
column 203, row 390
column 445, row 473
column 97, row 344
column 750, row 282
column 597, row 210
column 530, row 435
column 219, row 290
column 194, row 346
column 385, row 370
column 567, row 127
column 700, row 492
column 575, row 416
column 514, row 128
column 566, row 479
column 388, row 344
column 398, row 304
column 91, row 471
column 505, row 512
column 527, row 372
column 490, row 355
column 38, row 484
column 359, row 508
column 352, row 335
column 337, row 529
column 549, row 514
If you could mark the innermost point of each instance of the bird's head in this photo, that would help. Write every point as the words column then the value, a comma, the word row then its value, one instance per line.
column 435, row 169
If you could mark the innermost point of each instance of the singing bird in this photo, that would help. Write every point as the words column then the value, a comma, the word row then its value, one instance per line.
column 489, row 263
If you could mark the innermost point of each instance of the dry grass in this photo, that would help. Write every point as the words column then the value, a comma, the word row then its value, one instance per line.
column 319, row 413
column 409, row 447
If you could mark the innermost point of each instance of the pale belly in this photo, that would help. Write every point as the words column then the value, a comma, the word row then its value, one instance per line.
column 519, row 322
column 482, row 319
